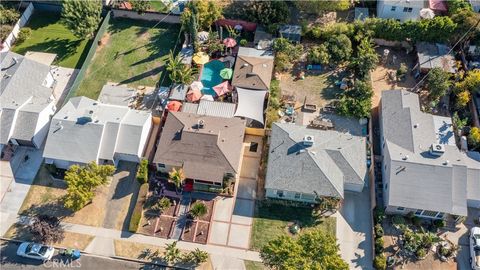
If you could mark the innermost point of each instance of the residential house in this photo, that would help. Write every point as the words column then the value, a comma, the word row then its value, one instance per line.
column 434, row 55
column 402, row 10
column 205, row 147
column 423, row 170
column 307, row 162
column 475, row 5
column 251, row 79
column 26, row 100
column 86, row 130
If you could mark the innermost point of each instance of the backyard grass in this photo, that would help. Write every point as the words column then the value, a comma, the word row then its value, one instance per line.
column 71, row 240
column 45, row 197
column 50, row 36
column 271, row 221
column 132, row 53
column 252, row 265
column 158, row 6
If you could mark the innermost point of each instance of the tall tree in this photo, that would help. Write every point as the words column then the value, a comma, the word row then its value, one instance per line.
column 81, row 17
column 438, row 83
column 267, row 13
column 176, row 177
column 454, row 6
column 46, row 229
column 82, row 182
column 322, row 6
column 311, row 250
column 474, row 138
column 172, row 253
column 340, row 48
column 366, row 59
column 140, row 5
column 179, row 72
column 356, row 102
column 201, row 13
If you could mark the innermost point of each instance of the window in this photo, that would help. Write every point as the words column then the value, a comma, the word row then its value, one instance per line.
column 386, row 186
column 440, row 215
column 429, row 213
column 407, row 9
column 297, row 195
column 253, row 147
column 280, row 193
column 161, row 165
column 393, row 8
column 401, row 208
column 418, row 212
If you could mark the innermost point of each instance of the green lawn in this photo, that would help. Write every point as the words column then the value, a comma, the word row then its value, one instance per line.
column 158, row 6
column 49, row 36
column 134, row 54
column 272, row 221
column 251, row 265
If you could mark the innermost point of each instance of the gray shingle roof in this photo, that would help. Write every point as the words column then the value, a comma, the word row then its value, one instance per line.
column 435, row 55
column 336, row 157
column 85, row 130
column 419, row 179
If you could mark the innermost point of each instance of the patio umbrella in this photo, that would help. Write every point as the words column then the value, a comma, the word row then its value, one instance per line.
column 202, row 36
column 427, row 13
column 238, row 27
column 226, row 73
column 229, row 42
column 194, row 95
column 222, row 88
column 174, row 106
column 207, row 97
column 201, row 58
column 196, row 85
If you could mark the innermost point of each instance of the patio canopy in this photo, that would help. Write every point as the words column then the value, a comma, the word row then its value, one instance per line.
column 250, row 104
column 226, row 73
column 194, row 95
column 201, row 58
column 229, row 42
column 174, row 106
column 196, row 85
column 222, row 88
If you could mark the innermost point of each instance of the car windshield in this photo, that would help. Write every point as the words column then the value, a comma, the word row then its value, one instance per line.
column 476, row 236
column 29, row 248
column 43, row 250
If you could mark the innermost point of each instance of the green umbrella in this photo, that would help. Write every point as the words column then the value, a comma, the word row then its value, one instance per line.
column 226, row 73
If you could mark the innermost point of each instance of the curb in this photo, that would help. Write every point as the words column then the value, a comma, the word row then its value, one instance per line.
column 107, row 257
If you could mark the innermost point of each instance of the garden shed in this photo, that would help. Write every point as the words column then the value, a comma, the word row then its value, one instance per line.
column 291, row 32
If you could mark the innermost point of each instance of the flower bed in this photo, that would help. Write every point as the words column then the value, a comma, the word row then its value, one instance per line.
column 201, row 234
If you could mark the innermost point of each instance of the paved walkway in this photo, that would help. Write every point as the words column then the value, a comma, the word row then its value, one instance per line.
column 183, row 213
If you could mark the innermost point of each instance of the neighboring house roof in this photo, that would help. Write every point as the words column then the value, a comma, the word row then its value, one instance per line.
column 120, row 95
column 438, row 5
column 253, row 69
column 22, row 89
column 418, row 179
column 335, row 158
column 210, row 108
column 405, row 3
column 204, row 153
column 178, row 92
column 251, row 104
column 432, row 55
column 85, row 130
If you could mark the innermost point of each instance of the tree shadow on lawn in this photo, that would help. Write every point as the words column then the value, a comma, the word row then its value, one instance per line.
column 144, row 75
column 63, row 48
column 55, row 208
column 304, row 215
column 331, row 91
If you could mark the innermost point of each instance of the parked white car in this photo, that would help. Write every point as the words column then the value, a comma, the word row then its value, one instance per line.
column 35, row 251
column 475, row 248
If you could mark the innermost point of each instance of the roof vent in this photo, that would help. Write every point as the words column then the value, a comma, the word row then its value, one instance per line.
column 405, row 157
column 446, row 162
column 437, row 149
column 264, row 65
column 416, row 125
column 308, row 140
column 245, row 64
column 201, row 124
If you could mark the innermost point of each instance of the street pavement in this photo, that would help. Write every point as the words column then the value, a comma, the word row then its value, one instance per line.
column 9, row 260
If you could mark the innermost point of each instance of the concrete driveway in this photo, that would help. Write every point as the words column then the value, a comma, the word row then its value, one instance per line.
column 354, row 230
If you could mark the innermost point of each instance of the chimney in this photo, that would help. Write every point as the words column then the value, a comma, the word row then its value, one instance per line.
column 437, row 149
column 201, row 124
column 308, row 140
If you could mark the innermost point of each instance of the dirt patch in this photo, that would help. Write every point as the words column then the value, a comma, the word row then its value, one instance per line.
column 164, row 226
column 189, row 231
column 201, row 234
column 172, row 210
column 103, row 41
column 390, row 64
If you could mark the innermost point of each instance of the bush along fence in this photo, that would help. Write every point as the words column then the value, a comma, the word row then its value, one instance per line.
column 81, row 73
column 12, row 37
column 146, row 16
column 138, row 210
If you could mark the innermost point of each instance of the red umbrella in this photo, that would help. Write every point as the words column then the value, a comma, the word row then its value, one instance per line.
column 229, row 42
column 174, row 106
column 194, row 95
column 222, row 88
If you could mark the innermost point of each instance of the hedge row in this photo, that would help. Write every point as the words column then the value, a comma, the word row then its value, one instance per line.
column 142, row 172
column 137, row 211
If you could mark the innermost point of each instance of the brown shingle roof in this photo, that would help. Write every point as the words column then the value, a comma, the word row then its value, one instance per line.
column 206, row 153
column 253, row 69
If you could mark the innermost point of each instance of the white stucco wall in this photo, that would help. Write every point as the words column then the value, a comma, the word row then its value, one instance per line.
column 144, row 137
column 385, row 11
column 43, row 123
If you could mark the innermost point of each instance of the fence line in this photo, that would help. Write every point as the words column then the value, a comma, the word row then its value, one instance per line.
column 10, row 40
column 146, row 16
column 81, row 73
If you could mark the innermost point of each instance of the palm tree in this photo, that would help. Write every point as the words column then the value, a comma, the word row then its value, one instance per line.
column 198, row 209
column 162, row 205
column 177, row 177
column 198, row 256
column 172, row 253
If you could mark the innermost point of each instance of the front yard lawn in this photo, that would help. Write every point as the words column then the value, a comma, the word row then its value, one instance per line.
column 271, row 221
column 132, row 52
column 50, row 36
column 45, row 197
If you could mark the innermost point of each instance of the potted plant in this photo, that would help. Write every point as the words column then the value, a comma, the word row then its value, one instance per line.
column 177, row 177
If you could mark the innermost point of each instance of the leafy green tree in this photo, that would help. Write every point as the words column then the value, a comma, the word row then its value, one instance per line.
column 340, row 48
column 172, row 253
column 140, row 5
column 466, row 21
column 463, row 97
column 322, row 6
column 438, row 83
column 458, row 122
column 8, row 15
column 287, row 53
column 198, row 209
column 142, row 172
column 177, row 177
column 319, row 55
column 46, row 229
column 5, row 30
column 204, row 13
column 470, row 83
column 356, row 102
column 82, row 182
column 81, row 17
column 267, row 13
column 366, row 59
column 454, row 6
column 179, row 72
column 311, row 250
column 380, row 262
column 474, row 138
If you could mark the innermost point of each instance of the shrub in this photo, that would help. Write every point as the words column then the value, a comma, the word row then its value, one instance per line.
column 318, row 55
column 243, row 42
column 398, row 220
column 340, row 48
column 474, row 138
column 378, row 231
column 421, row 253
column 24, row 34
column 198, row 209
column 380, row 262
column 137, row 211
column 5, row 30
column 379, row 245
column 142, row 172
column 8, row 15
column 378, row 214
column 416, row 221
column 439, row 223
